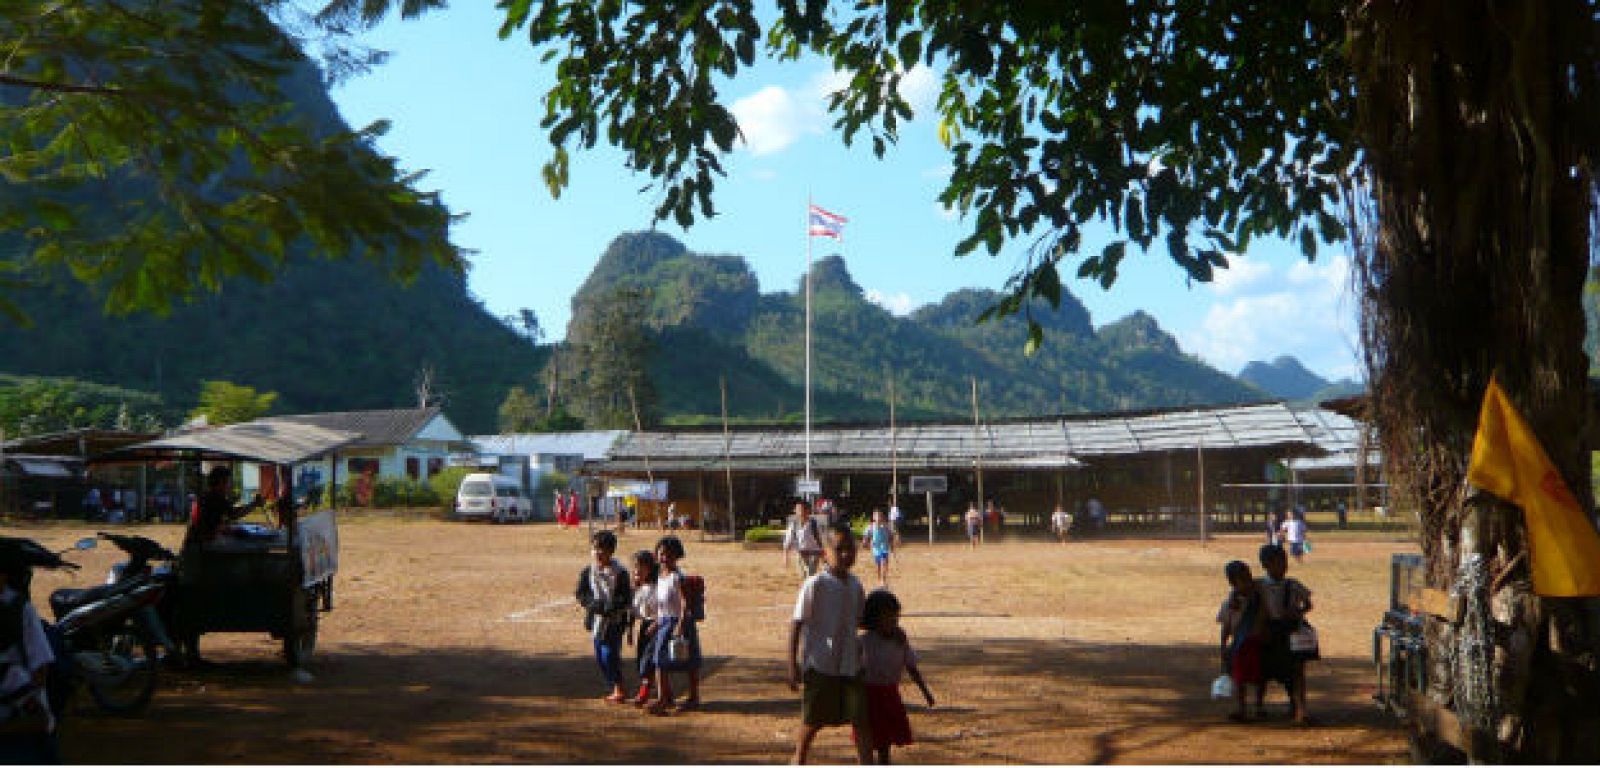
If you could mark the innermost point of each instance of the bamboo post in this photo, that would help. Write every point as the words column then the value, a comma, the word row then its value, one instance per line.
column 894, row 452
column 650, row 475
column 977, row 459
column 1200, row 462
column 727, row 457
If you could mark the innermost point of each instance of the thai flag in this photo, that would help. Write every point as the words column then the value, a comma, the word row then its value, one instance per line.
column 826, row 224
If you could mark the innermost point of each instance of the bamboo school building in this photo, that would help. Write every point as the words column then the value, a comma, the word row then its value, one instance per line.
column 1179, row 470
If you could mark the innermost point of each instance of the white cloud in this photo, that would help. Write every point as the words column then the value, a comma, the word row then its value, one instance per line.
column 774, row 118
column 771, row 119
column 1303, row 310
column 899, row 304
column 920, row 89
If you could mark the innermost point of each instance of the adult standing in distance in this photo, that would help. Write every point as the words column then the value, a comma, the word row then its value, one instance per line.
column 804, row 536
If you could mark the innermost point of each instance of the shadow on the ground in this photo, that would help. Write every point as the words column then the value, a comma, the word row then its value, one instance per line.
column 394, row 703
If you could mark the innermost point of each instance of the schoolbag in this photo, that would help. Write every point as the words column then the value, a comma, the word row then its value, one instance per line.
column 694, row 596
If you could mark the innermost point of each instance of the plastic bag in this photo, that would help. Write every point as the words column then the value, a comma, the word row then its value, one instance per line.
column 1222, row 687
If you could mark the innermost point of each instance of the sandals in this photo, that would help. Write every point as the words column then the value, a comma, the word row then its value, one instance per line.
column 616, row 698
column 659, row 708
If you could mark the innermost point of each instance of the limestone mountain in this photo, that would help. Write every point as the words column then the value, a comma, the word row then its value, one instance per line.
column 1287, row 378
column 710, row 322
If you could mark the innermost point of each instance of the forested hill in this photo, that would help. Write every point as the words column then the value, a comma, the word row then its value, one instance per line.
column 325, row 335
column 709, row 319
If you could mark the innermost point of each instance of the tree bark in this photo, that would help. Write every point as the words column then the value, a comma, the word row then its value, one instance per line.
column 1474, row 206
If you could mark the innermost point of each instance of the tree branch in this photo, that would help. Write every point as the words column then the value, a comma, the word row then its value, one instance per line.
column 41, row 85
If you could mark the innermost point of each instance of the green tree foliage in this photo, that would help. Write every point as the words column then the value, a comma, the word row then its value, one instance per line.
column 446, row 482
column 223, row 402
column 522, row 412
column 154, row 149
column 604, row 363
column 37, row 405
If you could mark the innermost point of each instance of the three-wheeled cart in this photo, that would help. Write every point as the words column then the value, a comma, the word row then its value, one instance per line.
column 256, row 578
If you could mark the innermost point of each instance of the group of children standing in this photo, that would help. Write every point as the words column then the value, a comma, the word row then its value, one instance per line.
column 654, row 599
column 1258, row 618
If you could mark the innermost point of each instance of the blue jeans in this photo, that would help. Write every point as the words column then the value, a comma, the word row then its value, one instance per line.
column 608, row 653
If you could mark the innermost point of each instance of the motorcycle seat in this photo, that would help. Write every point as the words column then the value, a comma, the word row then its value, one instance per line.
column 63, row 601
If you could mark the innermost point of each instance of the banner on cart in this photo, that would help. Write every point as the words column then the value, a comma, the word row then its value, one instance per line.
column 319, row 547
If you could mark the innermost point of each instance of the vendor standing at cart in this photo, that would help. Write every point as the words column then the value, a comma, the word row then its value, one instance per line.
column 216, row 507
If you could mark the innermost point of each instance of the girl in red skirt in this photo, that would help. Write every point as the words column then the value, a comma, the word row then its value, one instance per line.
column 1244, row 629
column 886, row 655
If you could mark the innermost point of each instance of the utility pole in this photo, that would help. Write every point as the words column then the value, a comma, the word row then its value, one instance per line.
column 977, row 459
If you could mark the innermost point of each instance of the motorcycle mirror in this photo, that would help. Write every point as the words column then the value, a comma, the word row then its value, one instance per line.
column 88, row 542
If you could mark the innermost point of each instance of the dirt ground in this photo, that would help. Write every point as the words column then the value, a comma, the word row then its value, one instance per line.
column 458, row 643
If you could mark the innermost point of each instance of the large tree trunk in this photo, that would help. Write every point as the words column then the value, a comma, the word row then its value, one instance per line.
column 1475, row 206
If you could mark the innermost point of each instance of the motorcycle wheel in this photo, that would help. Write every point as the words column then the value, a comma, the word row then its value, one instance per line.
column 300, row 643
column 121, row 672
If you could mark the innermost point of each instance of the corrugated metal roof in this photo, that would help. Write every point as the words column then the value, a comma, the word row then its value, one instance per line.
column 1338, row 435
column 1053, row 442
column 593, row 445
column 274, row 441
column 385, row 427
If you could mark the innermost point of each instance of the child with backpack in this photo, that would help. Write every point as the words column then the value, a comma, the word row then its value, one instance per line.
column 645, row 572
column 886, row 655
column 677, row 642
column 606, row 594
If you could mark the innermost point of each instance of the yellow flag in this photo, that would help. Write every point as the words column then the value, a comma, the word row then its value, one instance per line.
column 1509, row 462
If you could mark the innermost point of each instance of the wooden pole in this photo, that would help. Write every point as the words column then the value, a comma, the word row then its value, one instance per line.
column 638, row 426
column 977, row 459
column 894, row 448
column 1200, row 462
column 727, row 457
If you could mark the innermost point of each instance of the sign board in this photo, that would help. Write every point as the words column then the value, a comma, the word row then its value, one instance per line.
column 929, row 484
column 319, row 546
column 617, row 488
column 807, row 487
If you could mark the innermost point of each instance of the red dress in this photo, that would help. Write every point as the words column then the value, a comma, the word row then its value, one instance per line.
column 885, row 661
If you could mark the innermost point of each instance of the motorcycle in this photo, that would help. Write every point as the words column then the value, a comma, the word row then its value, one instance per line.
column 109, row 642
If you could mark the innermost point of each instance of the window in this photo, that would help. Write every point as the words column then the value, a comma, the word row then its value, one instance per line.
column 435, row 466
column 413, row 467
column 359, row 467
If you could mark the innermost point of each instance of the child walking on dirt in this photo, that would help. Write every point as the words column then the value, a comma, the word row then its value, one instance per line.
column 1244, row 629
column 886, row 655
column 606, row 594
column 878, row 538
column 1285, row 602
column 645, row 573
column 674, row 626
column 826, row 613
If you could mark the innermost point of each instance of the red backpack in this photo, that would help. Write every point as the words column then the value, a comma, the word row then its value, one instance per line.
column 694, row 596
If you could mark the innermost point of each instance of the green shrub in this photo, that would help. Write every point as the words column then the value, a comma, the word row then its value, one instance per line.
column 763, row 533
column 403, row 492
column 447, row 482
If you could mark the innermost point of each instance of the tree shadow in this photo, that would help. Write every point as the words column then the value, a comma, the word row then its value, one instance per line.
column 397, row 703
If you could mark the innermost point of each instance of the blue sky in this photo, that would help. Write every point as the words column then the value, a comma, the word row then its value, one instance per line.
column 466, row 105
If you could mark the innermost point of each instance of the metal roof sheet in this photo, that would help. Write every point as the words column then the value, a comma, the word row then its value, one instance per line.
column 1052, row 442
column 592, row 445
column 274, row 441
column 384, row 427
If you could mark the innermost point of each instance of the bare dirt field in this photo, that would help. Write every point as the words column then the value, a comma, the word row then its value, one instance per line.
column 461, row 643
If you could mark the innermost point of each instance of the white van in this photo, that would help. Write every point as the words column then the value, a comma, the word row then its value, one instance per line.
column 486, row 496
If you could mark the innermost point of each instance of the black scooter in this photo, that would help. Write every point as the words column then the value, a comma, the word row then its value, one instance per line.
column 109, row 640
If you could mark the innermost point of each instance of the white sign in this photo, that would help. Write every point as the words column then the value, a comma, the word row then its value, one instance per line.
column 804, row 486
column 929, row 484
column 319, row 546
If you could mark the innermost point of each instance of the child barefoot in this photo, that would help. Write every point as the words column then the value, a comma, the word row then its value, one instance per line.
column 1244, row 626
column 606, row 592
column 645, row 572
column 886, row 653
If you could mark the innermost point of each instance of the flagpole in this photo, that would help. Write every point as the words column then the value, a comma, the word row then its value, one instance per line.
column 808, row 340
